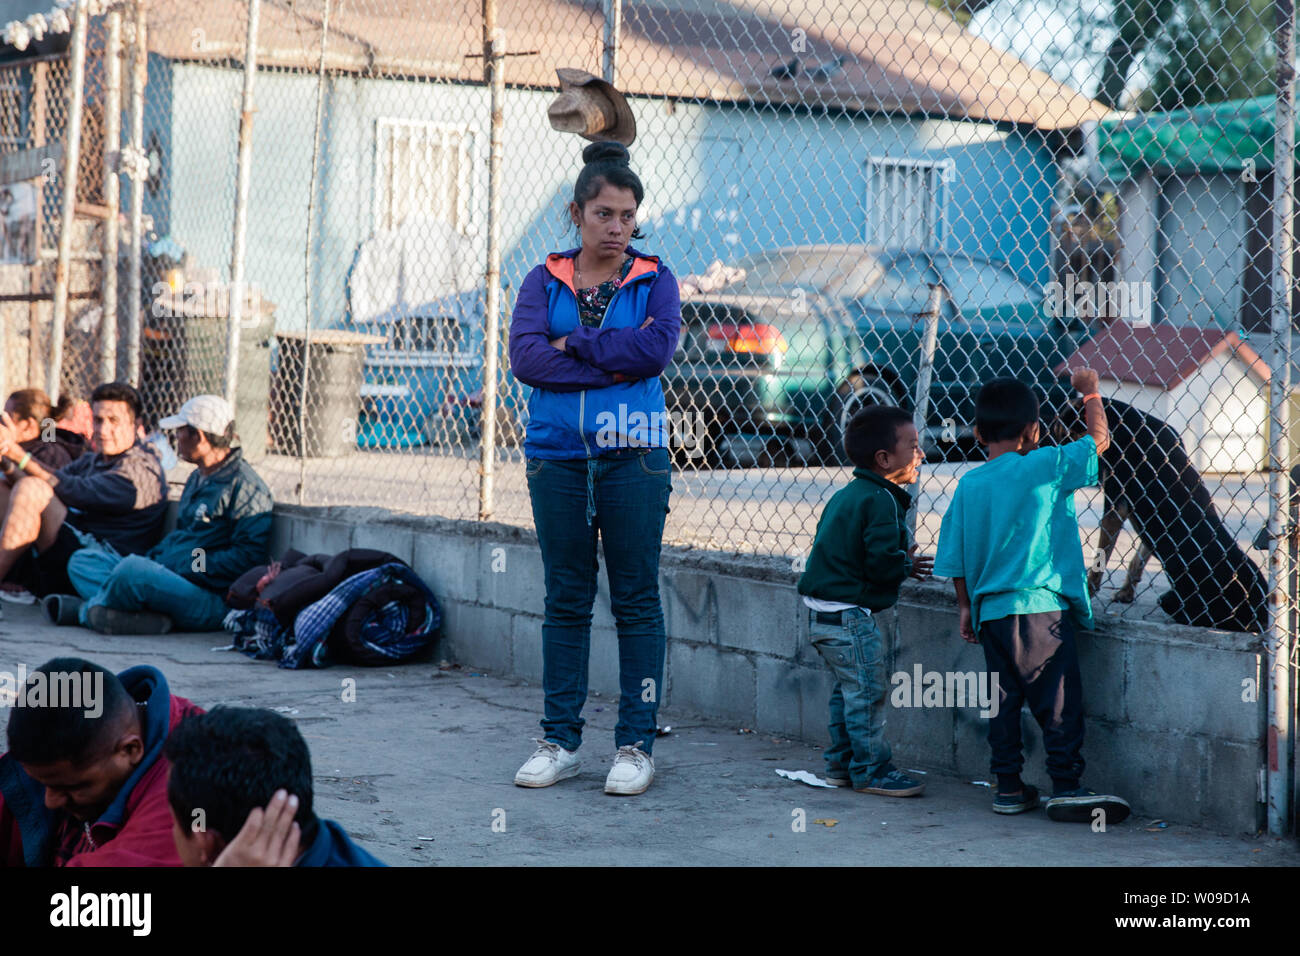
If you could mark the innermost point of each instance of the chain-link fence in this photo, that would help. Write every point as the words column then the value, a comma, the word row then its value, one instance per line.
column 810, row 176
column 813, row 177
column 856, row 198
column 34, row 118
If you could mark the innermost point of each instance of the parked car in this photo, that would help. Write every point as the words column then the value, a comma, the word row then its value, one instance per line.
column 424, row 385
column 777, row 364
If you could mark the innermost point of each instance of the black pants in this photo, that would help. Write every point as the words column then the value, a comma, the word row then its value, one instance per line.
column 1035, row 660
column 47, row 572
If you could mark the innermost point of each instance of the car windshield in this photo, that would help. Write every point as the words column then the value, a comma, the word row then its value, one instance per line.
column 983, row 285
column 804, row 268
column 901, row 286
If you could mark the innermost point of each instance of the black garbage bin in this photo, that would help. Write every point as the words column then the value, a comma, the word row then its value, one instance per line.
column 318, row 419
column 183, row 354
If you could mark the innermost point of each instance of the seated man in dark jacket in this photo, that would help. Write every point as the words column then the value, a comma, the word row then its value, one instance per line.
column 226, row 766
column 85, row 781
column 223, row 529
column 115, row 496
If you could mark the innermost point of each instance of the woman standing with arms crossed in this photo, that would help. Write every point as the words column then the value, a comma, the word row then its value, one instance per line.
column 593, row 329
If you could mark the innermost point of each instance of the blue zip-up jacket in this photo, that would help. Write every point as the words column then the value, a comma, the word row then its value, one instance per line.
column 602, row 392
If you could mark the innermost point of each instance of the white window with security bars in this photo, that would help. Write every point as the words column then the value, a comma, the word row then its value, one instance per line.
column 422, row 168
column 905, row 202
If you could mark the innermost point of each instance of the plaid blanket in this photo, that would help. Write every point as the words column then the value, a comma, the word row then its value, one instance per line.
column 387, row 630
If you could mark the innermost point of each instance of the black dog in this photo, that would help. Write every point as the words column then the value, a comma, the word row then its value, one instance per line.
column 1147, row 478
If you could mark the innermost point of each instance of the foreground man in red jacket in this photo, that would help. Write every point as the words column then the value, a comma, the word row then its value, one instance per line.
column 85, row 781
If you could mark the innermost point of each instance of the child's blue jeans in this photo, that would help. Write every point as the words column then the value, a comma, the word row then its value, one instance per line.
column 854, row 650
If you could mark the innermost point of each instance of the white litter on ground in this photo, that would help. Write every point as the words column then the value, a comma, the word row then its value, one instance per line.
column 980, row 783
column 803, row 776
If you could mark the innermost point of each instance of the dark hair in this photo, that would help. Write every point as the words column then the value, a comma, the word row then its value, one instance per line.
column 34, row 403
column 874, row 428
column 48, row 734
column 230, row 761
column 224, row 440
column 1004, row 408
column 119, row 392
column 606, row 163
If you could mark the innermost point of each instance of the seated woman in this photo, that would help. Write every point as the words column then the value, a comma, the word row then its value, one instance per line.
column 38, row 429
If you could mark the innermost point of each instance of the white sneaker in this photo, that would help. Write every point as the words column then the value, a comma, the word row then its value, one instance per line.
column 632, row 773
column 550, row 763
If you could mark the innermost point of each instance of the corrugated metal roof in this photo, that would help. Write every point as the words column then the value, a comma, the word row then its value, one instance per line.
column 897, row 55
column 1163, row 356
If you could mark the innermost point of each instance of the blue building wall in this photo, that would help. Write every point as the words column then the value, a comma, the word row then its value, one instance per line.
column 159, row 108
column 721, row 181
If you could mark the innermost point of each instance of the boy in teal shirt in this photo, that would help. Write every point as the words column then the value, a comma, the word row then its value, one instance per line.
column 1010, row 542
column 860, row 557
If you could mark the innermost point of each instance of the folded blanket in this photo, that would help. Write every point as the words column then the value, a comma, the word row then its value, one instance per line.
column 387, row 623
column 381, row 616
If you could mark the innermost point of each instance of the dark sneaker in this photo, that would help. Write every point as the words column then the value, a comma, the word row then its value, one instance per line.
column 837, row 778
column 107, row 620
column 893, row 784
column 1079, row 806
column 1025, row 800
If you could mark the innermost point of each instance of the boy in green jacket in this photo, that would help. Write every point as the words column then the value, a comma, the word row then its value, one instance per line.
column 860, row 556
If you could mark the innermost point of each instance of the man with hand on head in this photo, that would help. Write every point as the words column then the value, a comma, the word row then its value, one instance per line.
column 227, row 765
column 85, row 781
column 223, row 528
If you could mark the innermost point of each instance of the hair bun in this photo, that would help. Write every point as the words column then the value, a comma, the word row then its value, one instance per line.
column 606, row 151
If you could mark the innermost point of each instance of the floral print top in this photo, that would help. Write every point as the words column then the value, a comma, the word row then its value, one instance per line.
column 593, row 302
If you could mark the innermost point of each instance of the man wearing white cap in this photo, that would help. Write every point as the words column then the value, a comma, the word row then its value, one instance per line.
column 223, row 528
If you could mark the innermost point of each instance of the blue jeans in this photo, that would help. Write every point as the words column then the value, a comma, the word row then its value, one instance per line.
column 104, row 578
column 625, row 500
column 855, row 653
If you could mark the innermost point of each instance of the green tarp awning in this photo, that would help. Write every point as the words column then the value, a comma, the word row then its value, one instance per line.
column 1220, row 137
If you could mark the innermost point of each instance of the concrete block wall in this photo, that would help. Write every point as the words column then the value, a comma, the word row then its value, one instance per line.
column 1168, row 727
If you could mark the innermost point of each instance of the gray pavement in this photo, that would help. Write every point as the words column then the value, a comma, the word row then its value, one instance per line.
column 419, row 770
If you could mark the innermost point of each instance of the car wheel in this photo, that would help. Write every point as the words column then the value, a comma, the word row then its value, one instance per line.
column 855, row 394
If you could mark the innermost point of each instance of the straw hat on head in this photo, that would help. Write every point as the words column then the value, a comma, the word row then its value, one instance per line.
column 592, row 108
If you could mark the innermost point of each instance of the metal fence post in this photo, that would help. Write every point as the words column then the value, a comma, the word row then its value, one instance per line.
column 112, row 195
column 68, row 210
column 139, row 174
column 241, row 208
column 613, row 14
column 494, row 60
column 924, row 375
column 311, row 220
column 1279, row 485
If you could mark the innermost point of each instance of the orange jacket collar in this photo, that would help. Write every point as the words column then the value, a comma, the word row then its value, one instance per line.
column 560, row 265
